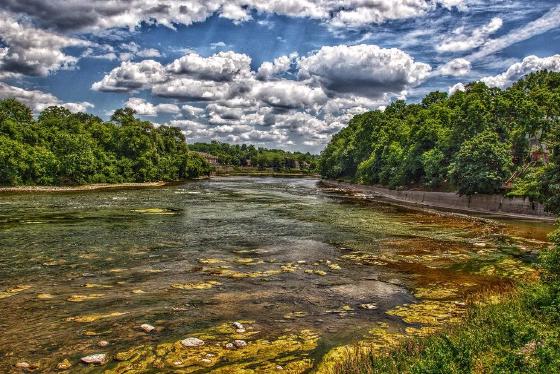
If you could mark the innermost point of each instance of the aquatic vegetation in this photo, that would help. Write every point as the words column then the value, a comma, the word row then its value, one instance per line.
column 196, row 285
column 159, row 211
column 95, row 317
column 13, row 291
column 430, row 312
column 44, row 296
column 509, row 268
column 95, row 285
column 290, row 352
column 81, row 298
column 436, row 292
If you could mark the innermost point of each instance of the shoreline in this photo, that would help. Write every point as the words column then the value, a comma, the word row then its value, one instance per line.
column 391, row 196
column 85, row 187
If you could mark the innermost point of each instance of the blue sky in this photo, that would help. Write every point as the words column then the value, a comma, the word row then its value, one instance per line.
column 278, row 73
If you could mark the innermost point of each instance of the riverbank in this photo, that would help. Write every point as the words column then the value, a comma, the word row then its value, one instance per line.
column 494, row 205
column 224, row 171
column 86, row 187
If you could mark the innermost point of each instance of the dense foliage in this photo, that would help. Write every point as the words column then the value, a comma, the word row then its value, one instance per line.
column 64, row 148
column 478, row 141
column 249, row 155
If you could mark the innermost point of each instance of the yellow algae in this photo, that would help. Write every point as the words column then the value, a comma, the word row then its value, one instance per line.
column 95, row 285
column 138, row 292
column 80, row 298
column 154, row 211
column 196, row 285
column 334, row 266
column 317, row 272
column 54, row 262
column 14, row 291
column 436, row 292
column 510, row 268
column 291, row 352
column 421, row 331
column 245, row 261
column 211, row 261
column 293, row 315
column 429, row 312
column 44, row 296
column 95, row 317
column 239, row 274
column 289, row 267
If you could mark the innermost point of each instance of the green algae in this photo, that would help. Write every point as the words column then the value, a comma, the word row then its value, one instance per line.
column 13, row 291
column 95, row 317
column 196, row 285
column 430, row 312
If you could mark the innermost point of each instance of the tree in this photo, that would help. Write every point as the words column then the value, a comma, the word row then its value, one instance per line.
column 482, row 165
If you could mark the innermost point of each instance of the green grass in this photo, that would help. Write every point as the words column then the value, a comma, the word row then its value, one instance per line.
column 520, row 334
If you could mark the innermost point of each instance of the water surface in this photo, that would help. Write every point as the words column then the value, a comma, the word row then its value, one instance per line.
column 305, row 269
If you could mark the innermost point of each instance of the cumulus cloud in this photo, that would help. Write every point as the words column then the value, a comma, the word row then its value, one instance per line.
column 363, row 70
column 32, row 51
column 223, row 66
column 282, row 64
column 465, row 41
column 131, row 76
column 289, row 94
column 456, row 67
column 516, row 71
column 39, row 100
column 145, row 108
column 457, row 87
column 99, row 15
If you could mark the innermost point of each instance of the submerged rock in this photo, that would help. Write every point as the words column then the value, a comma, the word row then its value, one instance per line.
column 239, row 343
column 103, row 343
column 96, row 359
column 147, row 328
column 192, row 342
column 369, row 306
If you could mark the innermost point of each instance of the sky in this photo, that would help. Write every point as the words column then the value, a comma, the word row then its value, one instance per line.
column 285, row 74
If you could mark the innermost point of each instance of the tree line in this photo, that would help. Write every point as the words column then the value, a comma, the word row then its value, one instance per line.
column 62, row 148
column 480, row 140
column 250, row 156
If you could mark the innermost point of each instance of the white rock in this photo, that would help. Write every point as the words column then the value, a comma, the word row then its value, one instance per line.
column 240, row 331
column 192, row 342
column 96, row 359
column 238, row 325
column 369, row 306
column 147, row 328
column 23, row 365
column 230, row 346
column 103, row 343
column 481, row 245
column 239, row 343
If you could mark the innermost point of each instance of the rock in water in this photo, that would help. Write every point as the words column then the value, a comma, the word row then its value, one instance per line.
column 64, row 365
column 147, row 328
column 192, row 342
column 230, row 346
column 238, row 325
column 239, row 343
column 96, row 359
column 103, row 343
column 23, row 365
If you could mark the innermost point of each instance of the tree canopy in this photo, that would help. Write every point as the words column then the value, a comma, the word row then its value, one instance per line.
column 482, row 140
column 60, row 147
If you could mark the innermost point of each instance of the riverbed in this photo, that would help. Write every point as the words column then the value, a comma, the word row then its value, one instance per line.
column 301, row 268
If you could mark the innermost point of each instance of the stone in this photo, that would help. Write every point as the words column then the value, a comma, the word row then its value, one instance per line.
column 278, row 367
column 96, row 359
column 103, row 343
column 239, row 343
column 147, row 328
column 230, row 346
column 23, row 365
column 64, row 365
column 192, row 342
column 240, row 331
column 369, row 306
column 480, row 245
column 238, row 325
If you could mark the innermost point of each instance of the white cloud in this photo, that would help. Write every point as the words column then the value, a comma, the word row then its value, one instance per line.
column 363, row 70
column 145, row 108
column 456, row 67
column 282, row 64
column 32, row 51
column 130, row 76
column 463, row 41
column 223, row 66
column 289, row 94
column 457, row 87
column 39, row 100
column 516, row 71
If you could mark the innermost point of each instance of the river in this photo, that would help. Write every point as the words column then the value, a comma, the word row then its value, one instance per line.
column 304, row 269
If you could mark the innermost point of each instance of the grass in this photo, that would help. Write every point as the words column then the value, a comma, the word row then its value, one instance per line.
column 517, row 333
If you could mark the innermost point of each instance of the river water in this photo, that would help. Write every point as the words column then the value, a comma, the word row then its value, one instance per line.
column 304, row 269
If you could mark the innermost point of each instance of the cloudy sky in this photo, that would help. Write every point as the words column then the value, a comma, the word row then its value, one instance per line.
column 280, row 73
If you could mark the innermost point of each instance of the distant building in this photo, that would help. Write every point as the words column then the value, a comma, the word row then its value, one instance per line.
column 212, row 160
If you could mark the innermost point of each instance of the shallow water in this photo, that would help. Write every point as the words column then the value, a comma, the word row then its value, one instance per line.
column 305, row 268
